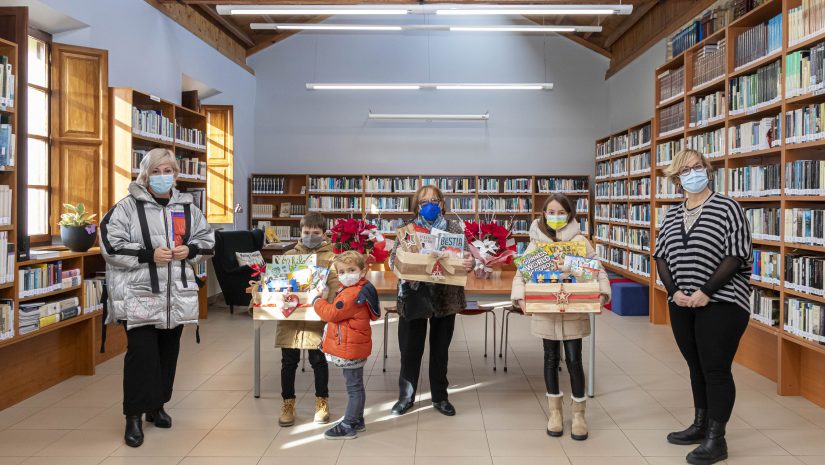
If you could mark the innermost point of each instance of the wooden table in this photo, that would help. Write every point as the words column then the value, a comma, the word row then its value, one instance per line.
column 386, row 283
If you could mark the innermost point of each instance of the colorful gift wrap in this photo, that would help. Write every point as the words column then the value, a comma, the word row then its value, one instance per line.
column 580, row 297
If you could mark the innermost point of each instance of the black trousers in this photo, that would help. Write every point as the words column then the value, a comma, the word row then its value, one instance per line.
column 708, row 338
column 289, row 366
column 149, row 368
column 411, row 337
column 573, row 359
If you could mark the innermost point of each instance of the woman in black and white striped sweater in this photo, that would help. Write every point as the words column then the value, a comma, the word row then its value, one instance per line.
column 703, row 258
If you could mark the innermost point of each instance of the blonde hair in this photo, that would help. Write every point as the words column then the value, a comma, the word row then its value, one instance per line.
column 152, row 160
column 351, row 257
column 681, row 159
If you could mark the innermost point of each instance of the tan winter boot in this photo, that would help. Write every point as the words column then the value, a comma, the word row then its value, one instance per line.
column 322, row 410
column 579, row 428
column 555, row 424
column 287, row 413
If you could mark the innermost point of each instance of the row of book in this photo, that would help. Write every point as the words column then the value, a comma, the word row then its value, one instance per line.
column 189, row 137
column 386, row 226
column 767, row 266
column 805, row 319
column 379, row 204
column 6, row 319
column 291, row 210
column 805, row 274
column 504, row 204
column 198, row 196
column 452, row 185
column 805, row 71
column 38, row 315
column 665, row 151
column 806, row 124
column 665, row 189
column 764, row 306
column 392, row 184
column 333, row 203
column 639, row 137
column 754, row 181
column 5, row 205
column 515, row 226
column 805, row 20
column 43, row 278
column 764, row 223
column 751, row 136
column 512, row 185
column 639, row 189
column 262, row 210
column 753, row 91
column 335, row 184
column 671, row 84
column 709, row 63
column 707, row 109
column 805, row 225
column 639, row 163
column 711, row 144
column 712, row 20
column 462, row 204
column 759, row 41
column 718, row 179
column 8, row 256
column 639, row 214
column 562, row 185
column 619, row 167
column 612, row 189
column 582, row 205
column 805, row 177
column 152, row 124
column 8, row 142
column 602, row 211
column 286, row 233
column 672, row 118
column 603, row 170
column 7, row 83
column 93, row 293
column 618, row 236
column 618, row 212
column 638, row 239
column 639, row 264
column 602, row 232
column 618, row 257
column 191, row 168
column 269, row 185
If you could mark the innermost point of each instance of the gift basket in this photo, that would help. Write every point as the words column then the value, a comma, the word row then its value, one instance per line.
column 433, row 256
column 285, row 287
column 560, row 279
column 491, row 245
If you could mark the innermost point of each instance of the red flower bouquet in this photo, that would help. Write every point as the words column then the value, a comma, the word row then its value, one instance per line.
column 490, row 244
column 358, row 235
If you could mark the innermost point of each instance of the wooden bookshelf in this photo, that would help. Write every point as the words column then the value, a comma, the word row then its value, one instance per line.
column 793, row 362
column 294, row 189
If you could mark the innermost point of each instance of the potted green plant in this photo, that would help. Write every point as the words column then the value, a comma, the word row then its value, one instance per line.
column 77, row 230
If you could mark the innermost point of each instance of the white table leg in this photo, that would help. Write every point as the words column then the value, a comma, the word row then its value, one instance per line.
column 591, row 366
column 257, row 348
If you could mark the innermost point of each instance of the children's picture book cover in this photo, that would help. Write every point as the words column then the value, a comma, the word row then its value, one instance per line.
column 452, row 244
column 178, row 227
column 270, row 236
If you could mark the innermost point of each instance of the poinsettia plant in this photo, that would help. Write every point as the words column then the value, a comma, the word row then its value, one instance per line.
column 490, row 244
column 352, row 234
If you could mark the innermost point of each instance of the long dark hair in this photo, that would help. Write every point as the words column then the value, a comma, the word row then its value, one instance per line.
column 565, row 203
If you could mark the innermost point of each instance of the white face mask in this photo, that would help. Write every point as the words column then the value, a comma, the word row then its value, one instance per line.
column 349, row 279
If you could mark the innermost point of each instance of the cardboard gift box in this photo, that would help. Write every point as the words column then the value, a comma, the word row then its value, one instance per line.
column 583, row 297
column 434, row 267
column 292, row 306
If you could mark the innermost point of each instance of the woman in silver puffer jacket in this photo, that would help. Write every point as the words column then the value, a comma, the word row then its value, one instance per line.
column 150, row 240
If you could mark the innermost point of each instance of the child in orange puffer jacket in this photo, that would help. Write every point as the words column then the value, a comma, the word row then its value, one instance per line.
column 347, row 339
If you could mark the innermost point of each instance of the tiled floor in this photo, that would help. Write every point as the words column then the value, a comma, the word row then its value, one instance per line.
column 641, row 393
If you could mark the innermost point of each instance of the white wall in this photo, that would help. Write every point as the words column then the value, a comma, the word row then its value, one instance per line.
column 631, row 90
column 299, row 131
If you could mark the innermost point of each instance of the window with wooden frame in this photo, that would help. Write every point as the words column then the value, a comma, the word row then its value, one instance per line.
column 38, row 89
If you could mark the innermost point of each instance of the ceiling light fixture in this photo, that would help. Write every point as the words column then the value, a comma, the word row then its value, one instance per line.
column 328, row 27
column 440, row 86
column 443, row 9
column 535, row 10
column 315, row 10
column 419, row 27
column 428, row 117
column 524, row 28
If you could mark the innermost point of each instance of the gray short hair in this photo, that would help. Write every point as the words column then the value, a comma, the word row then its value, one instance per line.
column 152, row 159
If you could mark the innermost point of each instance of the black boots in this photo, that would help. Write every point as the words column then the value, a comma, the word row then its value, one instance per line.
column 160, row 418
column 134, row 431
column 713, row 448
column 694, row 434
column 402, row 406
column 445, row 408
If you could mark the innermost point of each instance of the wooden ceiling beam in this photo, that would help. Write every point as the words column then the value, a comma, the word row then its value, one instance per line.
column 279, row 36
column 582, row 41
column 233, row 28
column 638, row 12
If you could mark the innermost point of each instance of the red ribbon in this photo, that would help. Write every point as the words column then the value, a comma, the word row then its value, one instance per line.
column 571, row 297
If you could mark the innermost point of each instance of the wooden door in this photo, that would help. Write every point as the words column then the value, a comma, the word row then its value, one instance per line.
column 219, row 162
column 79, row 132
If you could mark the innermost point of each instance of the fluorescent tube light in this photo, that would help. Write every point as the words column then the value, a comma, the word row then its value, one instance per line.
column 428, row 117
column 517, row 29
column 419, row 27
column 314, row 10
column 363, row 86
column 538, row 10
column 425, row 9
column 539, row 86
column 329, row 27
column 430, row 86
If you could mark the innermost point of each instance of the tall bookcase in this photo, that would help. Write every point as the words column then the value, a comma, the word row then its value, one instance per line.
column 775, row 350
column 141, row 122
column 385, row 198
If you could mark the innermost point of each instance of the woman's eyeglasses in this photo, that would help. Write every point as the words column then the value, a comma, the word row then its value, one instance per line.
column 687, row 169
column 423, row 202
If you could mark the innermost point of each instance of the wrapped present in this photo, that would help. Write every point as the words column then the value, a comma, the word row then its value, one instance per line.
column 277, row 305
column 578, row 297
column 433, row 267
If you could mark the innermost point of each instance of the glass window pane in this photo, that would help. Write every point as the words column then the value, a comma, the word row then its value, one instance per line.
column 38, row 211
column 38, row 112
column 38, row 63
column 38, row 155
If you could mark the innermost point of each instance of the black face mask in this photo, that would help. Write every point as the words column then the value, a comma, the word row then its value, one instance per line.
column 312, row 241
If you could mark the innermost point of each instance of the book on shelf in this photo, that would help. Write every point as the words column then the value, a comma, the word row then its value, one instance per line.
column 764, row 222
column 191, row 168
column 707, row 23
column 386, row 226
column 43, row 254
column 6, row 319
column 804, row 71
column 806, row 124
column 638, row 239
column 8, row 142
column 672, row 118
column 671, row 84
column 152, row 124
column 805, row 20
column 38, row 315
column 639, row 163
column 190, row 137
column 751, row 136
column 805, row 319
column 711, row 143
column 41, row 278
column 764, row 306
column 406, row 184
column 707, row 109
column 805, row 226
column 759, row 41
column 5, row 205
column 562, row 185
column 805, row 177
column 335, row 184
column 505, row 204
column 602, row 150
column 666, row 189
column 286, row 210
column 718, row 179
column 754, row 181
column 665, row 151
column 639, row 214
column 460, row 185
column 619, row 168
column 639, row 137
column 767, row 265
column 639, row 263
column 7, row 81
column 639, row 189
column 618, row 235
column 709, row 63
column 582, row 205
column 268, row 185
column 261, row 210
column 518, row 185
column 618, row 144
column 93, row 294
column 198, row 196
column 755, row 90
column 603, row 232
column 618, row 212
column 388, row 204
column 804, row 273
column 334, row 203
column 603, row 170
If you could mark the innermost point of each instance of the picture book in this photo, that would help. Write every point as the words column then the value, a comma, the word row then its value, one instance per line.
column 561, row 249
column 178, row 227
column 270, row 235
column 452, row 244
column 286, row 209
column 427, row 242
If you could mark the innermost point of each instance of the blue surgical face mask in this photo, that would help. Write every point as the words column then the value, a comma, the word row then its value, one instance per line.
column 161, row 183
column 695, row 181
column 430, row 211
